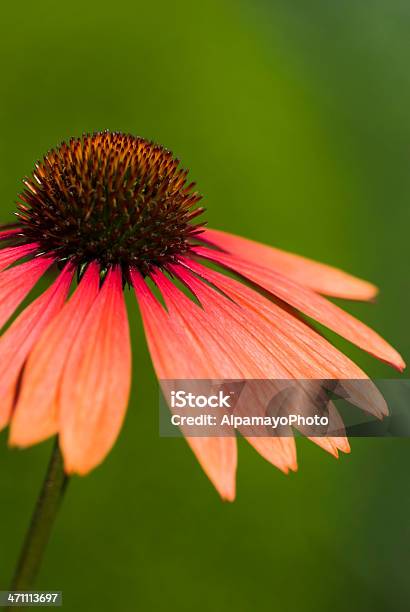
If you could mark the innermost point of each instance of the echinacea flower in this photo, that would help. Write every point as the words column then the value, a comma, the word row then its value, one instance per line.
column 110, row 211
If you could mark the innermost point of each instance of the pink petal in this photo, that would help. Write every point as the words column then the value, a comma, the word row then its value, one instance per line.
column 266, row 346
column 311, row 304
column 305, row 352
column 317, row 276
column 220, row 345
column 17, row 282
column 11, row 254
column 36, row 416
column 17, row 342
column 166, row 339
column 96, row 380
column 5, row 234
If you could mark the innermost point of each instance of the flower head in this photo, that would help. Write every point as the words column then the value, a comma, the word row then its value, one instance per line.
column 113, row 211
column 110, row 198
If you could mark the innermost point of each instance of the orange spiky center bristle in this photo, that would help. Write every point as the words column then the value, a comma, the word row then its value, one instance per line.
column 110, row 197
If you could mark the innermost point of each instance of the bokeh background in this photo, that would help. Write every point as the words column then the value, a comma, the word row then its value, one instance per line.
column 294, row 118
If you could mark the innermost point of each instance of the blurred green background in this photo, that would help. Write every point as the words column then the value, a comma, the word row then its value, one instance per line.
column 294, row 120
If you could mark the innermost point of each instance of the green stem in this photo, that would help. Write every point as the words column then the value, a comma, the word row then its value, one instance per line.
column 44, row 515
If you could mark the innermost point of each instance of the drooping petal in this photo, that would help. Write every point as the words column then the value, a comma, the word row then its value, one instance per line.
column 317, row 276
column 11, row 254
column 175, row 355
column 17, row 342
column 222, row 342
column 96, row 380
column 221, row 347
column 311, row 304
column 36, row 414
column 17, row 282
column 279, row 451
column 235, row 345
column 163, row 337
column 307, row 354
column 276, row 357
column 218, row 458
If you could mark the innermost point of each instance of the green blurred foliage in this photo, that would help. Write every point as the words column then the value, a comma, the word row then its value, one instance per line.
column 294, row 118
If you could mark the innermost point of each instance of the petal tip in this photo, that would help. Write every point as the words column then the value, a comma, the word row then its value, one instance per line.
column 227, row 491
column 401, row 365
column 344, row 446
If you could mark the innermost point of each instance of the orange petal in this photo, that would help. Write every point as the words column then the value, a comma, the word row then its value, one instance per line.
column 295, row 361
column 273, row 449
column 233, row 345
column 218, row 334
column 221, row 345
column 334, row 443
column 311, row 304
column 167, row 338
column 16, row 283
column 218, row 459
column 96, row 380
column 35, row 416
column 17, row 342
column 305, row 353
column 317, row 276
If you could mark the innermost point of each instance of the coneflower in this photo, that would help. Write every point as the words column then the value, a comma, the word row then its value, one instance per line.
column 112, row 211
